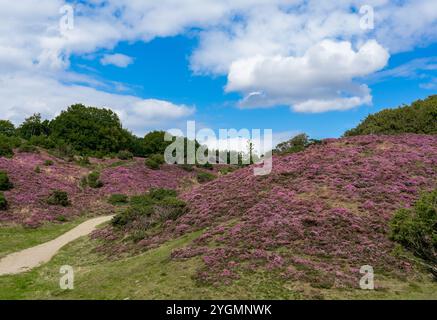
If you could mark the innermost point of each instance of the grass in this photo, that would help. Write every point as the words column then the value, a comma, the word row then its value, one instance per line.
column 153, row 275
column 16, row 237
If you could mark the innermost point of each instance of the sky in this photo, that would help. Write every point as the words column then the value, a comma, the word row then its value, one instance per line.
column 287, row 65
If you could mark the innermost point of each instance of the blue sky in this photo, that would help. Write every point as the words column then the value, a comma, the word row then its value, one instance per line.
column 161, row 70
column 287, row 65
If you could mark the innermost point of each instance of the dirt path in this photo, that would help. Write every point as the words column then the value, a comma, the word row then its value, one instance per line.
column 32, row 257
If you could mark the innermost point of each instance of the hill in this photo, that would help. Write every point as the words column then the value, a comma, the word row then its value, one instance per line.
column 317, row 218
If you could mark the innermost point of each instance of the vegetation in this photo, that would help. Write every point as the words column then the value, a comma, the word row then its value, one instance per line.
column 125, row 155
column 5, row 183
column 151, row 209
column 7, row 128
column 205, row 176
column 117, row 198
column 3, row 201
column 296, row 144
column 59, row 198
column 93, row 180
column 48, row 163
column 154, row 161
column 416, row 228
column 419, row 117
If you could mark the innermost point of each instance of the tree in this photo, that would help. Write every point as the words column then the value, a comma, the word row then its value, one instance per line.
column 90, row 129
column 419, row 117
column 33, row 126
column 154, row 143
column 7, row 128
column 295, row 144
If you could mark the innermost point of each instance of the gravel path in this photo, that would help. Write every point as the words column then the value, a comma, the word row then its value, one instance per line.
column 30, row 258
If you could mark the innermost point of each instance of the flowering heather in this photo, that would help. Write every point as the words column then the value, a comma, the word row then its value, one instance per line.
column 318, row 217
column 26, row 200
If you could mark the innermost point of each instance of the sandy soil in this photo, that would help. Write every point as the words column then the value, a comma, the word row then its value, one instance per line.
column 30, row 258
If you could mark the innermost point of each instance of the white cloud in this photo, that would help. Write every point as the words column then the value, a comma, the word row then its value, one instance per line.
column 272, row 37
column 118, row 60
column 23, row 95
column 320, row 80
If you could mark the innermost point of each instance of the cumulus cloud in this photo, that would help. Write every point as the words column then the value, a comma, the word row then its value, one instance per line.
column 320, row 80
column 277, row 40
column 118, row 60
column 23, row 95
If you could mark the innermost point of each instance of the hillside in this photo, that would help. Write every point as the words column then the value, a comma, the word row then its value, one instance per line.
column 317, row 218
column 27, row 200
column 302, row 231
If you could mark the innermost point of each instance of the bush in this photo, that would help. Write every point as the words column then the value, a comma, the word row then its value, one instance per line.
column 148, row 210
column 205, row 177
column 416, row 228
column 5, row 184
column 118, row 199
column 226, row 170
column 37, row 169
column 94, row 180
column 419, row 117
column 48, row 163
column 154, row 161
column 28, row 148
column 161, row 193
column 125, row 155
column 83, row 161
column 187, row 167
column 3, row 202
column 58, row 198
column 6, row 146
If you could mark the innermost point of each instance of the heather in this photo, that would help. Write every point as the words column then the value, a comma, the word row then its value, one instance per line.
column 318, row 217
column 27, row 200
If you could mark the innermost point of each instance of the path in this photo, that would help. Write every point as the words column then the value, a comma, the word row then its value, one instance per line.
column 32, row 257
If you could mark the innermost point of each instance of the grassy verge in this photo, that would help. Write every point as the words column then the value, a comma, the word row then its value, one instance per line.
column 15, row 238
column 153, row 275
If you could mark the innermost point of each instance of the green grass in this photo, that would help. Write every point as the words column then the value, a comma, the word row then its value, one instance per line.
column 153, row 275
column 15, row 238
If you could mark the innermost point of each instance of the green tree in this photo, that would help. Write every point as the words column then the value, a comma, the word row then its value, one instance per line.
column 419, row 117
column 90, row 129
column 7, row 128
column 33, row 126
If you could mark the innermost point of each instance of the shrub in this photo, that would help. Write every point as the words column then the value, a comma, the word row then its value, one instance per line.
column 416, row 228
column 28, row 148
column 153, row 208
column 37, row 169
column 94, row 180
column 125, row 155
column 161, row 193
column 3, row 202
column 205, row 177
column 6, row 148
column 83, row 161
column 226, row 170
column 118, row 199
column 5, row 184
column 48, row 163
column 154, row 161
column 187, row 167
column 58, row 198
